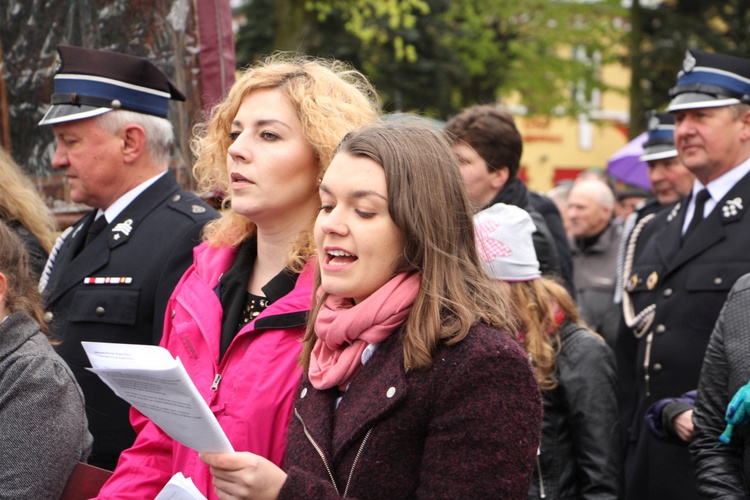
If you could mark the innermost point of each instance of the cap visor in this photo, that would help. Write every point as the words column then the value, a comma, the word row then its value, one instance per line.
column 695, row 100
column 59, row 113
column 658, row 153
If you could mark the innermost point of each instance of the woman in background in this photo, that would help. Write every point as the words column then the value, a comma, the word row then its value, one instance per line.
column 24, row 210
column 414, row 386
column 237, row 316
column 580, row 454
column 42, row 416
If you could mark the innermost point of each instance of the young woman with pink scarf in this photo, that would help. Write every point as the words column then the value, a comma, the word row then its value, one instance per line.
column 413, row 385
column 237, row 316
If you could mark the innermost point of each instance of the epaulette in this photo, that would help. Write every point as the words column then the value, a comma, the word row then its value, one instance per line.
column 191, row 205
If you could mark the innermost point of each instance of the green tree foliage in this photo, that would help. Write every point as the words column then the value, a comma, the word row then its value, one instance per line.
column 670, row 28
column 437, row 56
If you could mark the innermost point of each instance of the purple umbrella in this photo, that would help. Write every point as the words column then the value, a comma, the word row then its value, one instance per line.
column 625, row 166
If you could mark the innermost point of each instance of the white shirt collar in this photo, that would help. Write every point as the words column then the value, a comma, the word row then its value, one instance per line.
column 717, row 188
column 123, row 201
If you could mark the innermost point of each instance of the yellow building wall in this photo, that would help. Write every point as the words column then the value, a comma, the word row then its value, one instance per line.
column 564, row 145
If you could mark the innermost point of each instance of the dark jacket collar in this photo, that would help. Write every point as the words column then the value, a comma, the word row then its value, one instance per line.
column 514, row 193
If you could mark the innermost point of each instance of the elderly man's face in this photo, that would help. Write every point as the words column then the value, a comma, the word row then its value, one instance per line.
column 586, row 215
column 711, row 141
column 670, row 180
column 92, row 161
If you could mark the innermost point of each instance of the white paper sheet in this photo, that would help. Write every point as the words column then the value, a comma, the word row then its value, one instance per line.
column 180, row 488
column 157, row 385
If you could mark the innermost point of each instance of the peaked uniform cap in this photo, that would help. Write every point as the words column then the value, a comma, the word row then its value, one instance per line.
column 710, row 80
column 92, row 82
column 660, row 142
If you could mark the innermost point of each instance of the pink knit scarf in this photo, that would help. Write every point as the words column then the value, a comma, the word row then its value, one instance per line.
column 344, row 329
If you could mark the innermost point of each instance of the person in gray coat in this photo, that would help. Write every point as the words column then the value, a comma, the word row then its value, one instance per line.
column 42, row 415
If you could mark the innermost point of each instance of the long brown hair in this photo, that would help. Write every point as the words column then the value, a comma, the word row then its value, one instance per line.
column 535, row 303
column 22, row 290
column 331, row 99
column 427, row 201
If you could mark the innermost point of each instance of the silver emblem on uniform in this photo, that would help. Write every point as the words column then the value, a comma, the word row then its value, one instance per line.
column 176, row 197
column 197, row 209
column 78, row 229
column 731, row 208
column 123, row 227
column 673, row 213
column 689, row 63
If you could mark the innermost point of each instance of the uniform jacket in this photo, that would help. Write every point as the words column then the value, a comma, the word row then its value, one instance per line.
column 251, row 391
column 42, row 414
column 151, row 243
column 580, row 456
column 466, row 428
column 594, row 276
column 687, row 284
column 723, row 471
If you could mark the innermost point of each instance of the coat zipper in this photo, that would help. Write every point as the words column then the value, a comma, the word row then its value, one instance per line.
column 356, row 459
column 539, row 472
column 317, row 448
column 215, row 384
column 325, row 462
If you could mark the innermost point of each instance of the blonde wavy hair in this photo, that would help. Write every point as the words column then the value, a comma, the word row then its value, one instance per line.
column 428, row 202
column 331, row 99
column 20, row 201
column 535, row 303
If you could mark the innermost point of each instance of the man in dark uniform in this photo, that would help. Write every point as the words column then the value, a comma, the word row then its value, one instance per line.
column 113, row 271
column 690, row 257
column 669, row 178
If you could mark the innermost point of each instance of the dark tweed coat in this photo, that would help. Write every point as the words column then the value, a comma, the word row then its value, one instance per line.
column 469, row 427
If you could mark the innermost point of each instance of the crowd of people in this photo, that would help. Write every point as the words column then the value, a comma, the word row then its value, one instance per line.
column 379, row 308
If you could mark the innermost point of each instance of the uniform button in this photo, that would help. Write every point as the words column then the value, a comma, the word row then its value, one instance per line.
column 657, row 367
column 48, row 316
column 661, row 328
column 667, row 292
column 176, row 197
column 303, row 393
column 717, row 280
column 99, row 311
column 391, row 392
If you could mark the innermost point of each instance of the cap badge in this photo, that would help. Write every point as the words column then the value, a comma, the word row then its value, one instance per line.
column 731, row 209
column 652, row 280
column 688, row 64
column 653, row 123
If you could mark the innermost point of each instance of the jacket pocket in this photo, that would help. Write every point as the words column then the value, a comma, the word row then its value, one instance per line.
column 714, row 276
column 116, row 306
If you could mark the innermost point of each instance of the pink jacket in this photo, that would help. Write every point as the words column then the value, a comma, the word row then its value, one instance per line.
column 251, row 392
